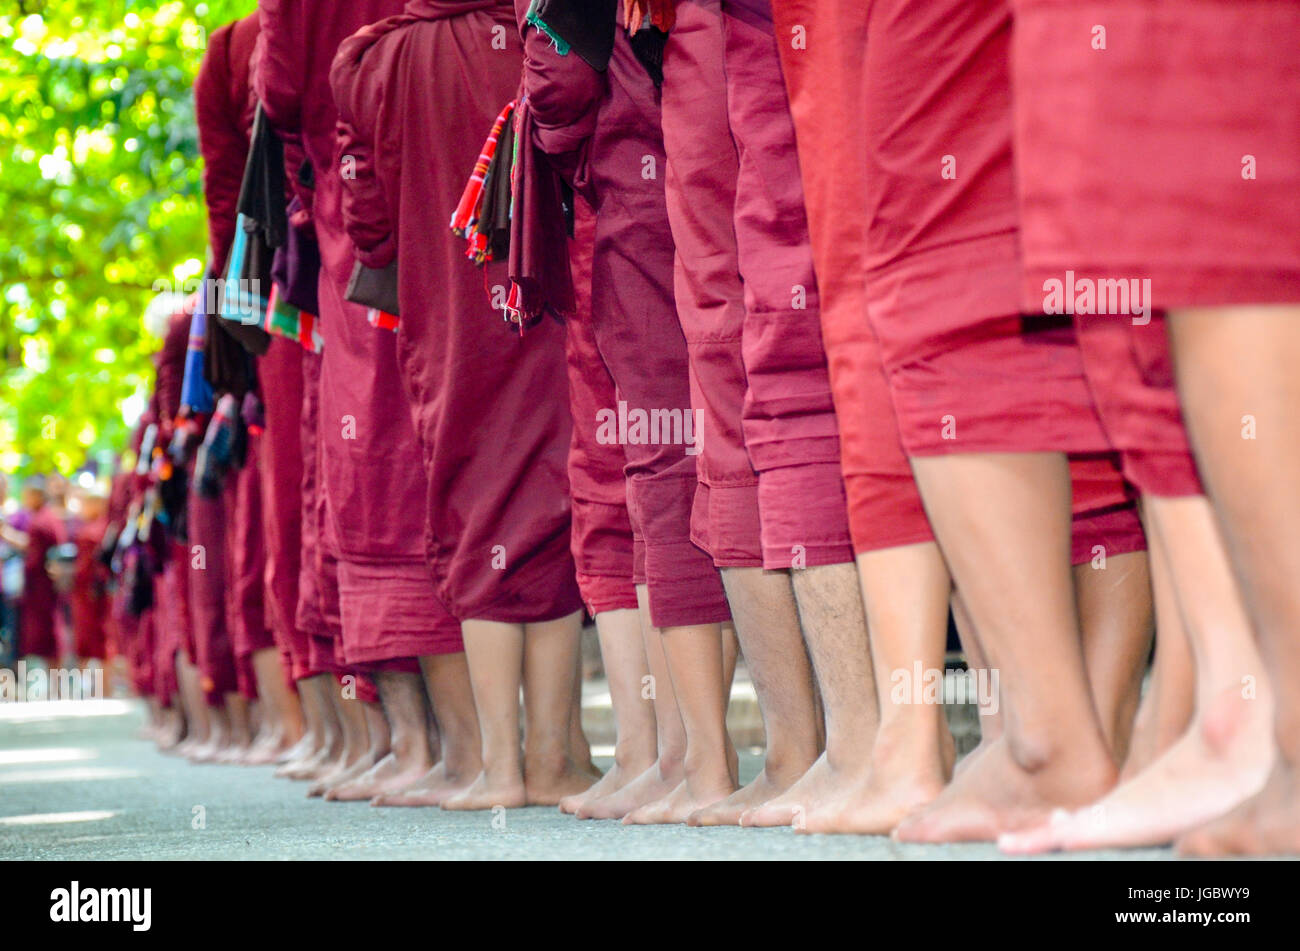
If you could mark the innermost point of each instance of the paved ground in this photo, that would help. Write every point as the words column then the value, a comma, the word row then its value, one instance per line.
column 76, row 784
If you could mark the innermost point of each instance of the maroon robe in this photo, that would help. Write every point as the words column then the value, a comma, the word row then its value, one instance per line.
column 601, row 536
column 209, row 587
column 280, row 373
column 417, row 95
column 142, row 645
column 90, row 592
column 377, row 594
column 600, row 129
column 313, row 575
column 173, row 630
column 171, row 620
column 966, row 371
column 220, row 601
column 771, row 491
column 36, row 629
column 142, row 656
column 224, row 108
column 1150, row 139
column 884, row 505
column 246, row 568
column 1141, row 132
column 135, row 634
column 119, row 497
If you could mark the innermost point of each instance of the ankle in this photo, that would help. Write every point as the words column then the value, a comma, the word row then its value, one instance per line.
column 785, row 764
column 633, row 757
column 1081, row 752
column 706, row 764
column 462, row 761
column 409, row 744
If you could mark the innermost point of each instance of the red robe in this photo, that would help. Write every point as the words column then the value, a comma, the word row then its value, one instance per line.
column 417, row 95
column 772, row 493
column 280, row 373
column 246, row 615
column 601, row 535
column 884, row 505
column 375, row 592
column 1134, row 167
column 173, row 630
column 967, row 373
column 224, row 108
column 1132, row 163
column 596, row 126
column 36, row 633
column 89, row 592
column 225, row 594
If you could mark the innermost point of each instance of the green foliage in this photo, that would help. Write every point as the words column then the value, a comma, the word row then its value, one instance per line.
column 100, row 197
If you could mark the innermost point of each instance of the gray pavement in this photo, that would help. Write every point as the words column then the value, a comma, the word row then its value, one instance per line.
column 75, row 783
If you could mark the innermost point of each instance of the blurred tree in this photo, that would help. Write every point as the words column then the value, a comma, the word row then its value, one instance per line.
column 100, row 197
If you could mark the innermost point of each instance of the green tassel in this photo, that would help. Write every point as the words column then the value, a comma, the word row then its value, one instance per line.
column 561, row 46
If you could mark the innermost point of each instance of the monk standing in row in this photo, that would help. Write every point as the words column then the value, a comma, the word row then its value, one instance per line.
column 90, row 579
column 233, row 560
column 1214, row 184
column 600, row 128
column 35, row 531
column 860, row 784
column 770, row 506
column 391, row 623
column 497, row 529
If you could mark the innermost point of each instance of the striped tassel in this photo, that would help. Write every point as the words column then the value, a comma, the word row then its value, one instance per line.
column 382, row 319
column 469, row 209
column 284, row 320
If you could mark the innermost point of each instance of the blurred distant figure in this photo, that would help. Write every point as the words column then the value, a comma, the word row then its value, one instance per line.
column 34, row 530
column 60, row 503
column 90, row 579
column 11, row 583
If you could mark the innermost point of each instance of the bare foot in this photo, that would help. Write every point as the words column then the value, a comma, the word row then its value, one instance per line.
column 170, row 731
column 1223, row 759
column 432, row 789
column 266, row 751
column 546, row 784
column 649, row 786
column 995, row 794
column 678, row 805
column 1142, row 748
column 185, row 747
column 343, row 770
column 390, row 774
column 319, row 763
column 295, row 755
column 211, row 751
column 619, row 775
column 866, row 795
column 235, row 754
column 814, row 786
column 486, row 793
column 727, row 812
column 874, row 805
column 1268, row 823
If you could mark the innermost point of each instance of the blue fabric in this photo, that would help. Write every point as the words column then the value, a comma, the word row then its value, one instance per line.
column 196, row 391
